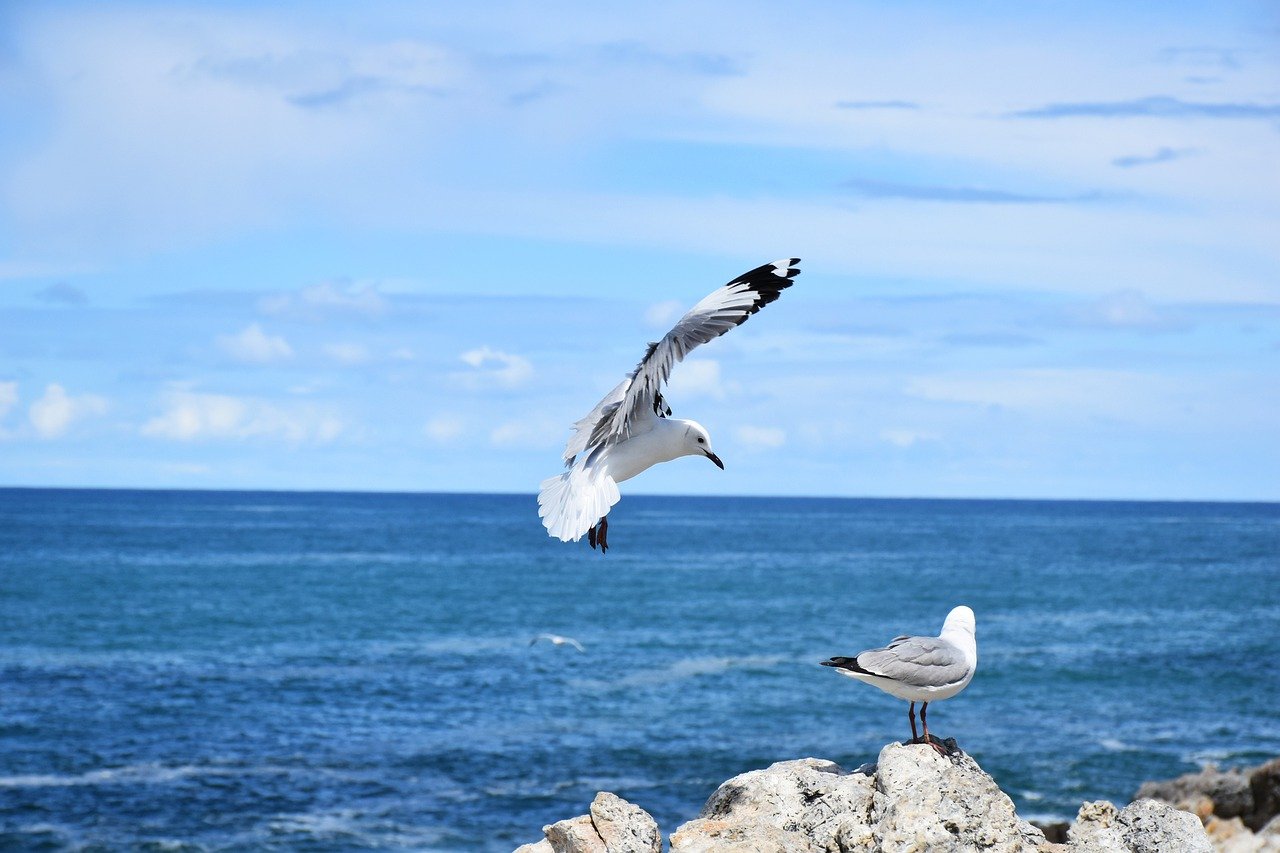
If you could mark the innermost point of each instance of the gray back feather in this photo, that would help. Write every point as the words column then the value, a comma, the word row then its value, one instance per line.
column 917, row 661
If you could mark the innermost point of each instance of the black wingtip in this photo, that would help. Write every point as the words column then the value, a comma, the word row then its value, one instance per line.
column 768, row 281
column 850, row 664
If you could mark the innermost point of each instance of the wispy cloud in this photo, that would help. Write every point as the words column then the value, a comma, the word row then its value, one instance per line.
column 527, row 433
column 1202, row 57
column 444, row 429
column 328, row 297
column 492, row 367
column 662, row 314
column 877, row 105
column 62, row 293
column 349, row 354
column 1164, row 154
column 1155, row 106
column 908, row 437
column 537, row 92
column 1127, row 309
column 872, row 188
column 991, row 339
column 56, row 411
column 637, row 53
column 8, row 399
column 254, row 346
column 329, row 77
column 698, row 377
column 191, row 416
column 355, row 88
column 757, row 438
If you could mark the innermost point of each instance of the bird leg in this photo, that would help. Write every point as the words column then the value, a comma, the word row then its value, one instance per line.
column 928, row 738
column 598, row 534
column 911, row 713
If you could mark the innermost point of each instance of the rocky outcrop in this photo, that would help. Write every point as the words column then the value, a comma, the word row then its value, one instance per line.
column 911, row 799
column 1143, row 826
column 1240, row 808
column 613, row 826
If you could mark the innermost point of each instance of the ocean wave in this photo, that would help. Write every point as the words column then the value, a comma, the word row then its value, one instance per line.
column 1111, row 744
column 688, row 668
column 137, row 774
column 355, row 828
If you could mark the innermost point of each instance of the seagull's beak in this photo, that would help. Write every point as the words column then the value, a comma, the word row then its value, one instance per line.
column 715, row 459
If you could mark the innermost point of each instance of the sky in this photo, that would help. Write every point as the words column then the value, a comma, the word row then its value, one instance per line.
column 402, row 246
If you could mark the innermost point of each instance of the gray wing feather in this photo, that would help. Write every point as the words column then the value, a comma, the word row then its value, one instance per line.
column 639, row 396
column 917, row 661
column 582, row 429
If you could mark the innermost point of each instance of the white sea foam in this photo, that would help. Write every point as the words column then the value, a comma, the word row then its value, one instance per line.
column 136, row 774
column 1110, row 744
column 688, row 668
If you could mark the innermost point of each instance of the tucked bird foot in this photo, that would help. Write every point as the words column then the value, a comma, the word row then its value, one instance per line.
column 599, row 535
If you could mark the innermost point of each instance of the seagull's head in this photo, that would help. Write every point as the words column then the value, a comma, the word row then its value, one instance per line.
column 960, row 619
column 698, row 443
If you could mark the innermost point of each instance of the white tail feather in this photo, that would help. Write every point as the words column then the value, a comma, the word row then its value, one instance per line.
column 570, row 504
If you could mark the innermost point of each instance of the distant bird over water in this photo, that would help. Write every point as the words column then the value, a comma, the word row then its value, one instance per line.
column 920, row 669
column 631, row 430
column 557, row 640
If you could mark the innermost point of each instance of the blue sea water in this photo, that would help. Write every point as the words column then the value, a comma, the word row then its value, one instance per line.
column 218, row 670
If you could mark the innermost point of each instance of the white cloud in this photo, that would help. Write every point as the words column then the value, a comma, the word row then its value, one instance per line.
column 663, row 314
column 54, row 413
column 760, row 438
column 697, row 378
column 444, row 428
column 495, row 367
column 185, row 468
column 347, row 353
column 255, row 346
column 907, row 437
column 191, row 416
column 326, row 298
column 8, row 397
column 527, row 434
column 1065, row 394
column 1127, row 309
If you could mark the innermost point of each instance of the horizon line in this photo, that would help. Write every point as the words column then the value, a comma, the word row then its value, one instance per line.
column 533, row 495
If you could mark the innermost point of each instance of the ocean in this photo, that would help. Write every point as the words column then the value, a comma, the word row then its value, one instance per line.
column 324, row 671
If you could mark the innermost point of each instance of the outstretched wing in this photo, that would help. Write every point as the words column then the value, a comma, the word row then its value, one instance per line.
column 640, row 394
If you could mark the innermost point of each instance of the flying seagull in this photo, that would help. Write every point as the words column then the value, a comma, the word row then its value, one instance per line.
column 631, row 429
column 557, row 640
column 920, row 669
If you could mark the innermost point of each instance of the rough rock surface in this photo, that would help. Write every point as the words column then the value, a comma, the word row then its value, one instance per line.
column 1145, row 826
column 1228, row 790
column 613, row 826
column 1264, row 782
column 1239, row 808
column 913, row 800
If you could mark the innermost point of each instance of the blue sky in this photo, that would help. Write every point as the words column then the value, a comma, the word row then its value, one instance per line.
column 402, row 245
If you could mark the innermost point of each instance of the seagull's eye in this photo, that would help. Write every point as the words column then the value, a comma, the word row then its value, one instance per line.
column 701, row 441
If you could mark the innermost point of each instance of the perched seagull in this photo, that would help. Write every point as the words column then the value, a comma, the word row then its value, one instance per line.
column 920, row 669
column 631, row 429
column 557, row 640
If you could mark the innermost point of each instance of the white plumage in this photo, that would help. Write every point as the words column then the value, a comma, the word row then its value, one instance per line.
column 629, row 430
